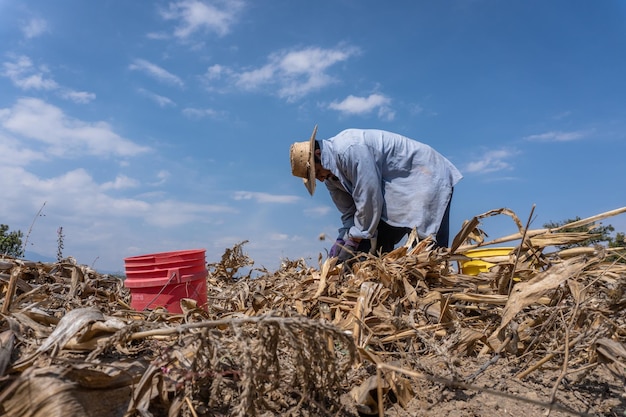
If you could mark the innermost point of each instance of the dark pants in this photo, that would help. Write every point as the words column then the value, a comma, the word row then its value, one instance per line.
column 389, row 236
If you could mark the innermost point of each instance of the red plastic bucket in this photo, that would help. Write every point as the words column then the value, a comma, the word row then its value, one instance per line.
column 163, row 279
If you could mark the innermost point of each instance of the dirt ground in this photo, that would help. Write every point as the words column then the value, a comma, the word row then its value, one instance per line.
column 498, row 392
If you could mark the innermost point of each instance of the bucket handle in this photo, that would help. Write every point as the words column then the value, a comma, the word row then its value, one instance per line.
column 173, row 276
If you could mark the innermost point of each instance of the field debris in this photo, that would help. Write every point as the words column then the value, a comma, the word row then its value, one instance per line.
column 409, row 333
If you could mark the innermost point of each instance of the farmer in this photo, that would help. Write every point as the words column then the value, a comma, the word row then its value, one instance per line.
column 384, row 184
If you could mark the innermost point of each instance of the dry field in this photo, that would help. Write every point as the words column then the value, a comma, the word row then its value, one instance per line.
column 542, row 333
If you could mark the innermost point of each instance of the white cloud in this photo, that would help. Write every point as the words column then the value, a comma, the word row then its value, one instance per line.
column 121, row 182
column 79, row 203
column 198, row 16
column 279, row 237
column 216, row 72
column 155, row 72
column 491, row 161
column 295, row 73
column 14, row 153
column 34, row 28
column 265, row 197
column 73, row 181
column 386, row 113
column 16, row 198
column 158, row 36
column 26, row 76
column 252, row 79
column 162, row 177
column 212, row 76
column 557, row 136
column 175, row 213
column 365, row 105
column 318, row 211
column 202, row 113
column 35, row 82
column 78, row 96
column 161, row 101
column 35, row 119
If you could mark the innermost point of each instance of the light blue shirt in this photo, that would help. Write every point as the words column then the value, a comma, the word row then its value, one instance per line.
column 386, row 176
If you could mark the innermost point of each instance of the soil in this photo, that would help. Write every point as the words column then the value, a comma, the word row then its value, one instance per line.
column 596, row 393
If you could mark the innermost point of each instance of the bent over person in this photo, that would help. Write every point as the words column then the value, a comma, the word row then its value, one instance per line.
column 384, row 185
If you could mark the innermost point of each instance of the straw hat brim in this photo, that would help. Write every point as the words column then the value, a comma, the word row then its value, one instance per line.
column 302, row 155
column 309, row 182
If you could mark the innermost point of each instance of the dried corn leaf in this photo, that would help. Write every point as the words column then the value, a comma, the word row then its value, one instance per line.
column 7, row 340
column 527, row 293
column 613, row 352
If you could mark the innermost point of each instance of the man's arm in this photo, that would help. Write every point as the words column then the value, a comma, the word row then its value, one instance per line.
column 360, row 168
column 345, row 204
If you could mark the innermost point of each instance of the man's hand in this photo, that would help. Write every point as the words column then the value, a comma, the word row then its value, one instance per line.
column 348, row 250
column 336, row 248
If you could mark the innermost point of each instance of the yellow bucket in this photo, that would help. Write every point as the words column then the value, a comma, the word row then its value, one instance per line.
column 481, row 258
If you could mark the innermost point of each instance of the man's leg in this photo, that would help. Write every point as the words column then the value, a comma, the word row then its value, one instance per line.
column 386, row 240
column 389, row 236
column 443, row 235
column 364, row 246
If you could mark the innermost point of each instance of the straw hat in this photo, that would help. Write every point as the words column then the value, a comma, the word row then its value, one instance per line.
column 302, row 155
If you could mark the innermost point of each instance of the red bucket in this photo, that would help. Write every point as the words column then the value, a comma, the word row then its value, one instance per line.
column 163, row 279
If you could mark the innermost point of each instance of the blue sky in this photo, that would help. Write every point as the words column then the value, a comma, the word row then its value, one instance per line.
column 142, row 127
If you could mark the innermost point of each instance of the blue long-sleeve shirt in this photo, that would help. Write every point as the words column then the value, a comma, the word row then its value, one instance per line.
column 386, row 176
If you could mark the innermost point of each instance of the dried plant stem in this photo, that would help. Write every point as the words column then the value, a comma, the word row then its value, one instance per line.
column 11, row 290
column 591, row 219
column 519, row 249
column 60, row 238
column 379, row 390
column 565, row 361
column 30, row 229
column 207, row 325
column 537, row 232
column 536, row 366
column 548, row 357
column 190, row 406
